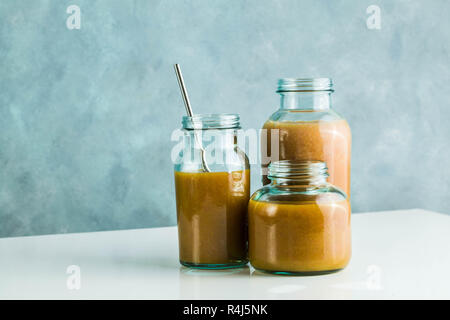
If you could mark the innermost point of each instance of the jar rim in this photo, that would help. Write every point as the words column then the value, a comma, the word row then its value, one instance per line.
column 305, row 85
column 211, row 121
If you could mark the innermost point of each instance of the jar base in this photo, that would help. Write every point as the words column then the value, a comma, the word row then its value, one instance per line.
column 217, row 266
column 299, row 273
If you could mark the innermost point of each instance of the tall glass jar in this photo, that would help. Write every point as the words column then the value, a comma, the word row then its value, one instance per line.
column 308, row 129
column 212, row 200
column 299, row 224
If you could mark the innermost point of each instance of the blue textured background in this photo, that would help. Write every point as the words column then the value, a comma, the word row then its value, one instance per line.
column 86, row 115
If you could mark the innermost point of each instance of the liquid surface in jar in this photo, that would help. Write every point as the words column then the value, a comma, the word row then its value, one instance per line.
column 328, row 141
column 299, row 237
column 212, row 216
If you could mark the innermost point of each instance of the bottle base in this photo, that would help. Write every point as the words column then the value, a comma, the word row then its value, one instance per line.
column 230, row 265
column 299, row 273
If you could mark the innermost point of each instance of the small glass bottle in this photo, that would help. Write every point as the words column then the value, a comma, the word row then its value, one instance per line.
column 309, row 129
column 212, row 206
column 299, row 224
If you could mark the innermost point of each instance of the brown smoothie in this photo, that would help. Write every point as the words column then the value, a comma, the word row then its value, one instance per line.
column 328, row 141
column 212, row 216
column 300, row 236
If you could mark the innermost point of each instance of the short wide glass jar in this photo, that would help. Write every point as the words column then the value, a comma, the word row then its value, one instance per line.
column 212, row 201
column 299, row 224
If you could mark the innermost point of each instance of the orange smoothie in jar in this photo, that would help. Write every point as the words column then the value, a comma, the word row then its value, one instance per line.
column 299, row 237
column 322, row 140
column 212, row 217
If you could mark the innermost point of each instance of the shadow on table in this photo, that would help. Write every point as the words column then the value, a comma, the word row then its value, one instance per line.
column 189, row 272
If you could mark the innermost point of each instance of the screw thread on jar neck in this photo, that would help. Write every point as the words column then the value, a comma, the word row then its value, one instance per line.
column 211, row 121
column 308, row 173
column 305, row 93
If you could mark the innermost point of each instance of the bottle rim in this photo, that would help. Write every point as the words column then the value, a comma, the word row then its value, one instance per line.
column 211, row 121
column 305, row 85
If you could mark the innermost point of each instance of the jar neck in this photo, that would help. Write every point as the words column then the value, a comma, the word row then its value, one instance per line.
column 216, row 138
column 219, row 121
column 311, row 183
column 301, row 174
column 308, row 101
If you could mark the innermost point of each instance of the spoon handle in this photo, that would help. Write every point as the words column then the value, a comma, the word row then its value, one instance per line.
column 187, row 104
column 184, row 93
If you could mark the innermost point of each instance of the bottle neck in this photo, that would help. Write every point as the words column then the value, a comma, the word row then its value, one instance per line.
column 308, row 101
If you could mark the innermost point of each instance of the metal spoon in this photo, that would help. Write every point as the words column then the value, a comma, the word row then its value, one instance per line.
column 187, row 104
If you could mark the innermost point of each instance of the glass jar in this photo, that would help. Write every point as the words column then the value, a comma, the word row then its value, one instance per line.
column 212, row 206
column 308, row 129
column 299, row 224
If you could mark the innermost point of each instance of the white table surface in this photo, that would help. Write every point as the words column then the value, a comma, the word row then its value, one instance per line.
column 396, row 255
